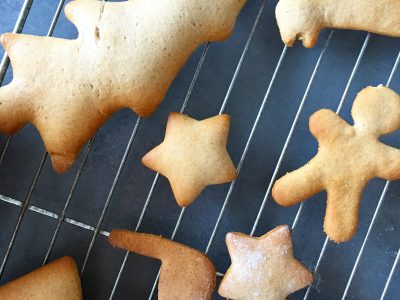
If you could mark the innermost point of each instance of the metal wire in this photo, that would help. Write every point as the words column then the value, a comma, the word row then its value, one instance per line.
column 5, row 61
column 290, row 134
column 21, row 20
column 339, row 108
column 114, row 184
column 389, row 279
column 178, row 223
column 376, row 210
column 96, row 230
column 19, row 25
column 253, row 129
column 155, row 180
column 67, row 202
column 341, row 102
column 232, row 83
column 22, row 214
column 381, row 198
column 50, row 214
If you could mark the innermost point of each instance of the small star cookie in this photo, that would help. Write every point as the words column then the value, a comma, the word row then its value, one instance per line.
column 58, row 280
column 348, row 157
column 306, row 18
column 185, row 273
column 193, row 155
column 126, row 56
column 263, row 268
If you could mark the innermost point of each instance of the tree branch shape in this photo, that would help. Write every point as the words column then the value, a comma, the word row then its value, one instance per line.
column 126, row 56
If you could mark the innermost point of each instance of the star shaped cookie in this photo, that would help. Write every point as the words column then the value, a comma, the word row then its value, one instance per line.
column 263, row 268
column 126, row 56
column 193, row 155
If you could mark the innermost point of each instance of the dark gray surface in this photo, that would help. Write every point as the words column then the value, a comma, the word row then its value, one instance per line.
column 51, row 191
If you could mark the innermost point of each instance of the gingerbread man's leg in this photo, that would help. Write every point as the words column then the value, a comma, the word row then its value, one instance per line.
column 341, row 216
column 298, row 185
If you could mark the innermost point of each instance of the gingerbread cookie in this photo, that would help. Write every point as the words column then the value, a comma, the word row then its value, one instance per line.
column 185, row 273
column 306, row 18
column 348, row 157
column 58, row 280
column 263, row 268
column 127, row 55
column 193, row 155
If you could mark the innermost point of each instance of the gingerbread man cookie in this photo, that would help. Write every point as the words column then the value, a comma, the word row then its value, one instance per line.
column 306, row 18
column 58, row 280
column 348, row 157
column 193, row 155
column 263, row 268
column 185, row 273
column 126, row 56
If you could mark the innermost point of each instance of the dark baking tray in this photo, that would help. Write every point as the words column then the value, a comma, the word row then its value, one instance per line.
column 260, row 79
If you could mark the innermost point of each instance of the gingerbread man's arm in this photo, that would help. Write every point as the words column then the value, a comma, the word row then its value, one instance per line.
column 298, row 185
column 326, row 126
column 388, row 163
column 341, row 216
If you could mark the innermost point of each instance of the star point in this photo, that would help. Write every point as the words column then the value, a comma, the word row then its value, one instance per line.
column 193, row 155
column 263, row 268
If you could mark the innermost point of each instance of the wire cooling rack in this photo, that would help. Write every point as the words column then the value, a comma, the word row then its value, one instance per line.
column 269, row 91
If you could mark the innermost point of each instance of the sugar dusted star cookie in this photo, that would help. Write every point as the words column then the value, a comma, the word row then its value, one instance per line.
column 185, row 273
column 348, row 157
column 263, row 268
column 126, row 56
column 193, row 155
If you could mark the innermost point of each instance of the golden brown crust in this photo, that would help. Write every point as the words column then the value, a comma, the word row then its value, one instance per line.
column 127, row 55
column 193, row 155
column 263, row 268
column 348, row 157
column 58, row 280
column 306, row 18
column 185, row 273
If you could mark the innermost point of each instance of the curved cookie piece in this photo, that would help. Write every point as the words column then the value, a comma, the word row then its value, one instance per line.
column 58, row 280
column 193, row 155
column 263, row 268
column 185, row 273
column 126, row 56
column 306, row 18
column 348, row 157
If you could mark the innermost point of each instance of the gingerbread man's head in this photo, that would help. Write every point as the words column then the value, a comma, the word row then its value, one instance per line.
column 376, row 110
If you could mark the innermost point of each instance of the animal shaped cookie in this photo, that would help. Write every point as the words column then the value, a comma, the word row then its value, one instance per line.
column 185, row 273
column 58, row 280
column 306, row 18
column 126, row 56
column 193, row 155
column 348, row 157
column 263, row 268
